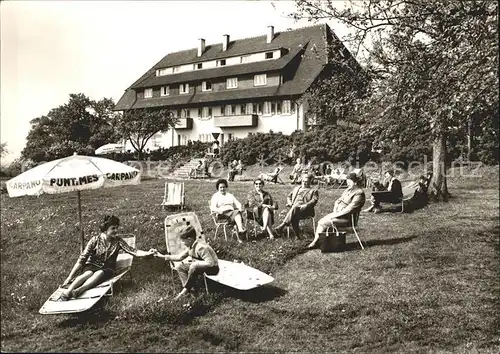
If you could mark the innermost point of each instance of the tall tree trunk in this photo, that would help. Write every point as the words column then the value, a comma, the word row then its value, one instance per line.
column 438, row 188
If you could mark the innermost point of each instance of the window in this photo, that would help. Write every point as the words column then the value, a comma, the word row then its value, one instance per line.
column 222, row 113
column 233, row 109
column 269, row 55
column 273, row 108
column 292, row 107
column 221, row 62
column 243, row 109
column 176, row 69
column 187, row 113
column 148, row 93
column 157, row 140
column 267, row 108
column 165, row 91
column 278, row 107
column 286, row 107
column 245, row 59
column 259, row 108
column 230, row 136
column 183, row 88
column 179, row 113
column 206, row 86
column 232, row 82
column 260, row 80
column 207, row 111
column 161, row 72
column 199, row 112
column 199, row 66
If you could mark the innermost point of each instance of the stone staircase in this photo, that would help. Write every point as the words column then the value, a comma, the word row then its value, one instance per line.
column 183, row 171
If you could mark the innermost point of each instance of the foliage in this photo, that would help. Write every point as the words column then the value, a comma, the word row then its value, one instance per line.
column 432, row 62
column 81, row 125
column 139, row 125
column 332, row 143
column 3, row 149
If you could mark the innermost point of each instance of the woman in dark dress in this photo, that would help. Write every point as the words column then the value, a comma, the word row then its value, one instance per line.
column 260, row 207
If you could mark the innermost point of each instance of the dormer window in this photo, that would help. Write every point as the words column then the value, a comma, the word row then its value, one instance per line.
column 183, row 88
column 176, row 69
column 165, row 91
column 148, row 93
column 221, row 62
column 260, row 80
column 199, row 66
column 161, row 72
column 269, row 55
column 206, row 86
column 231, row 83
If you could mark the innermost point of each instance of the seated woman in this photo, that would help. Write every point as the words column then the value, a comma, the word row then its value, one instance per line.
column 97, row 262
column 203, row 259
column 199, row 169
column 227, row 207
column 260, row 207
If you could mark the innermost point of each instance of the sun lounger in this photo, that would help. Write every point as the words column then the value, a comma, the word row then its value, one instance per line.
column 89, row 298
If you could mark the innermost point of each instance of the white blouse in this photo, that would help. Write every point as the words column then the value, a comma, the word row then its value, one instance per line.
column 220, row 203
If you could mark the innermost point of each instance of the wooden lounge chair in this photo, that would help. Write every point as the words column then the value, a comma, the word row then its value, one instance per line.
column 174, row 195
column 89, row 298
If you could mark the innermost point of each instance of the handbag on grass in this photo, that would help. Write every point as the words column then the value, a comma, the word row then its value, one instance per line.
column 333, row 241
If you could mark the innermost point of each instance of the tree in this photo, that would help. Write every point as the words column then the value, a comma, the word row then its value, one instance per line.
column 81, row 125
column 3, row 149
column 139, row 125
column 432, row 62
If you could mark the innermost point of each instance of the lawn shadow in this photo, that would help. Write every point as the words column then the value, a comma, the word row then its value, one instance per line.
column 371, row 243
column 97, row 315
column 257, row 295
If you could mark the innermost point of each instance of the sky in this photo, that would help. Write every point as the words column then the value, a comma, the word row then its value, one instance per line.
column 50, row 49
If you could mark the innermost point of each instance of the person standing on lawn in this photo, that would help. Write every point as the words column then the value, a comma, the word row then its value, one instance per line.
column 203, row 259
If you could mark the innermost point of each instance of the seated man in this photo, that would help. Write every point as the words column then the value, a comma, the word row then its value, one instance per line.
column 301, row 201
column 393, row 193
column 351, row 202
column 203, row 259
column 297, row 170
column 197, row 170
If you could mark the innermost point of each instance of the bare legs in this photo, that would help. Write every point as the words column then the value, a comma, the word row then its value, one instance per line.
column 266, row 219
column 325, row 222
column 238, row 220
column 84, row 282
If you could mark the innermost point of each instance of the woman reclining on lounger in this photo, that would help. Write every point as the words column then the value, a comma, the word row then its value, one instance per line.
column 97, row 262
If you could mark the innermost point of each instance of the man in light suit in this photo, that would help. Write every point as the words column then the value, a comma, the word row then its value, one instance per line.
column 393, row 193
column 301, row 201
column 350, row 202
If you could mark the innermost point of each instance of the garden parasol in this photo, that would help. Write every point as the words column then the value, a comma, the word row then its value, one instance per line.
column 70, row 174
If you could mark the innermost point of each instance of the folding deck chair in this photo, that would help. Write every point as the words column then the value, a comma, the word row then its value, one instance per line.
column 89, row 298
column 174, row 195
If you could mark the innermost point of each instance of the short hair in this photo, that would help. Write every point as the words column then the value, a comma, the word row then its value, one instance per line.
column 308, row 175
column 109, row 220
column 186, row 232
column 353, row 177
column 391, row 172
column 221, row 181
column 258, row 179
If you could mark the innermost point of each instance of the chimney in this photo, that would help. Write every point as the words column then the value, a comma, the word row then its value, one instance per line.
column 225, row 42
column 270, row 33
column 201, row 47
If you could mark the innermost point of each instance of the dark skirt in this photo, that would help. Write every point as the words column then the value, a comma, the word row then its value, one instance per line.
column 257, row 216
column 94, row 268
column 228, row 216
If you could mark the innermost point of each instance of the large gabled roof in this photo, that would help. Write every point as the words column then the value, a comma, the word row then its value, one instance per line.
column 306, row 53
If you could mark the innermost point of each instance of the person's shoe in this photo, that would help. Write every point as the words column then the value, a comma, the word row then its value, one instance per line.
column 367, row 210
column 311, row 246
column 376, row 210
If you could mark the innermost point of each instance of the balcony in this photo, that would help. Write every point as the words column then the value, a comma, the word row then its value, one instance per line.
column 243, row 120
column 184, row 123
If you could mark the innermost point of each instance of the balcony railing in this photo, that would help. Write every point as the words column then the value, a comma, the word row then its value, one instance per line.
column 184, row 123
column 243, row 120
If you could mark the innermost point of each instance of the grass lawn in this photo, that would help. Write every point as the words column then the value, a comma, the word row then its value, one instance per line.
column 428, row 280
